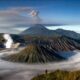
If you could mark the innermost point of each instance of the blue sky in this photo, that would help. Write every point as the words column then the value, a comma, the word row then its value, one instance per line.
column 52, row 11
column 18, row 14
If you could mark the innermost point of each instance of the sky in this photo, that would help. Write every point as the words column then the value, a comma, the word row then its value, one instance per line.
column 20, row 13
column 60, row 11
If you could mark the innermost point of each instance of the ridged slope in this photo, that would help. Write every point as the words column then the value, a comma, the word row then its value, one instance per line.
column 34, row 54
column 44, row 50
column 64, row 44
column 61, row 43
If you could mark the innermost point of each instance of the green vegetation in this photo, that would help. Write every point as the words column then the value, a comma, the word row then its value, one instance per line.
column 59, row 75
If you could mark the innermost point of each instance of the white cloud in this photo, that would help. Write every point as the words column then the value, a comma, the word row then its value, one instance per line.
column 75, row 28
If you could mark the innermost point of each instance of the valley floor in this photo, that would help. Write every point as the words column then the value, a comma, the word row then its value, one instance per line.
column 18, row 71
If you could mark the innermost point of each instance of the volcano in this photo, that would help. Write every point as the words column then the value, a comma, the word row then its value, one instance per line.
column 41, row 30
column 45, row 50
column 38, row 30
column 34, row 53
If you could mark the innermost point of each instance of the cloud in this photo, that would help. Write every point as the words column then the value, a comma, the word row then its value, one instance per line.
column 15, row 16
column 75, row 28
column 9, row 30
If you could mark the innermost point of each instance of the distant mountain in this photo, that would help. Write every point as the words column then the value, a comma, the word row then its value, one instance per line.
column 45, row 50
column 40, row 30
column 68, row 33
column 36, row 29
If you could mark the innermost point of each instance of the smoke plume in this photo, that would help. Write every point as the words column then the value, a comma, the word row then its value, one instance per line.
column 35, row 15
column 9, row 41
column 14, row 16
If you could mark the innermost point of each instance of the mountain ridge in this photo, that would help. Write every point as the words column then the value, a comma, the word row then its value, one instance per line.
column 44, row 50
column 40, row 30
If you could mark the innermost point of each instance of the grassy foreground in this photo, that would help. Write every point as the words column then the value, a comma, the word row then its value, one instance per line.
column 59, row 75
